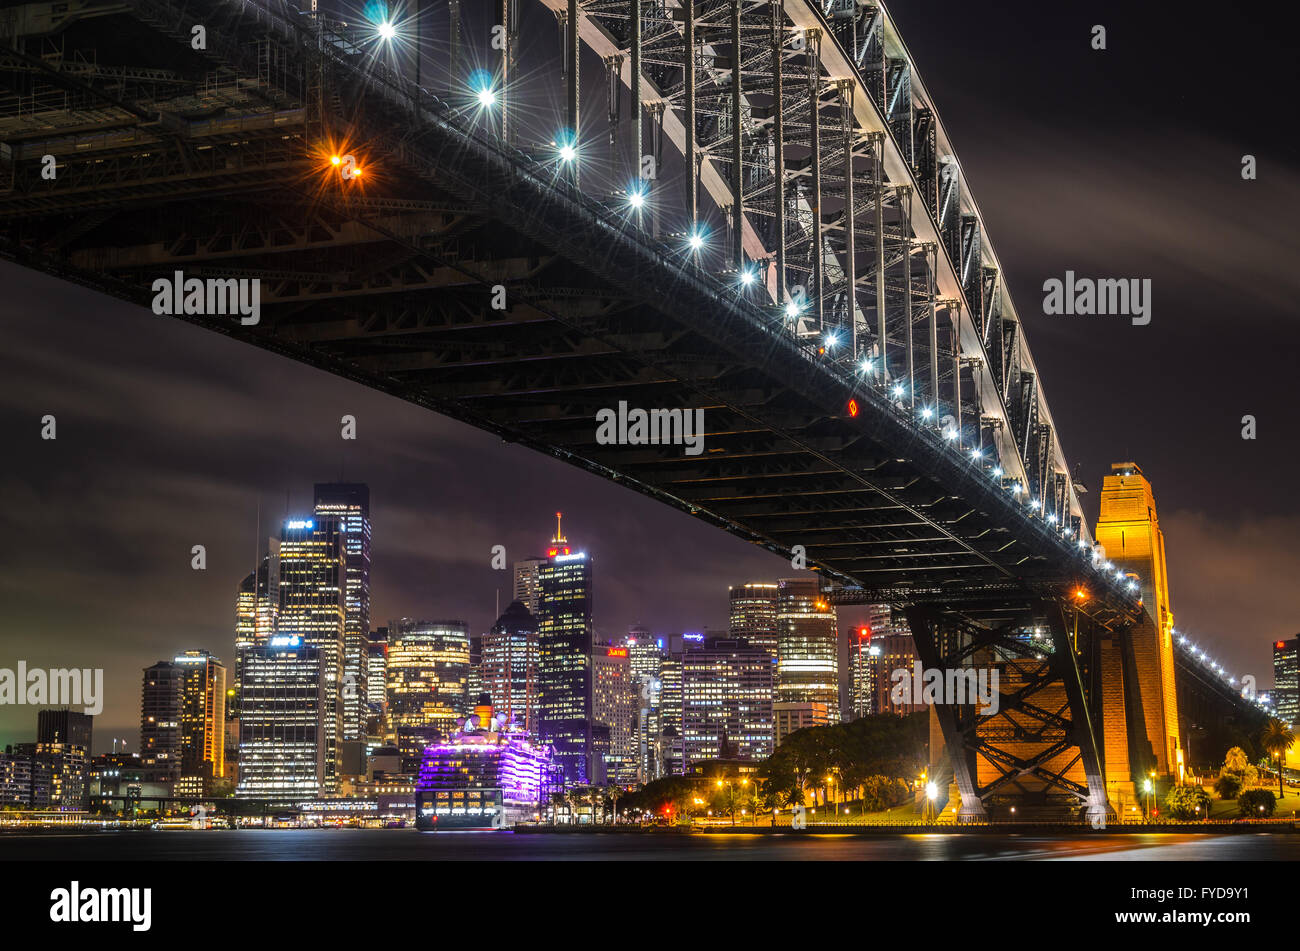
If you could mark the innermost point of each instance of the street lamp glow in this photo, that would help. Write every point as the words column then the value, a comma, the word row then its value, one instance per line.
column 568, row 153
column 931, row 791
column 867, row 366
column 898, row 389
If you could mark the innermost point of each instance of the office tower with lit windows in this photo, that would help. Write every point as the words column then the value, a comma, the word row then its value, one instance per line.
column 564, row 632
column 377, row 682
column 892, row 648
column 526, row 582
column 670, row 751
column 753, row 614
column 343, row 509
column 616, row 705
column 793, row 716
column 283, row 751
column 312, row 610
column 808, row 648
column 862, row 673
column 257, row 607
column 726, row 701
column 1286, row 680
column 646, row 657
column 509, row 672
column 203, row 721
column 67, row 736
column 160, row 720
column 428, row 684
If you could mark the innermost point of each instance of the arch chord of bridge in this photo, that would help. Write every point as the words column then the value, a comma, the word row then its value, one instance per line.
column 915, row 460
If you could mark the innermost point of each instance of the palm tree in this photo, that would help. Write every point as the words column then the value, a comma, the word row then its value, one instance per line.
column 1277, row 739
column 614, row 792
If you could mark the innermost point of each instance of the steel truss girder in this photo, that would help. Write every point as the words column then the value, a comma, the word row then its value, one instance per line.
column 945, row 640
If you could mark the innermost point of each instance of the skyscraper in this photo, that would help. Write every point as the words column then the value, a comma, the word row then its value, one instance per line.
column 257, row 607
column 615, row 704
column 565, row 640
column 312, row 610
column 428, row 684
column 203, row 720
column 377, row 682
column 282, row 746
column 65, row 737
column 343, row 509
column 510, row 670
column 526, row 583
column 646, row 658
column 807, row 654
column 1286, row 680
column 726, row 701
column 754, row 613
column 160, row 719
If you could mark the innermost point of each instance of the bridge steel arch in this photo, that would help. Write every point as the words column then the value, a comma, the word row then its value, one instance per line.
column 389, row 285
column 889, row 119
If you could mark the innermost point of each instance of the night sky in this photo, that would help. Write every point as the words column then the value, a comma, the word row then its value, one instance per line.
column 1116, row 163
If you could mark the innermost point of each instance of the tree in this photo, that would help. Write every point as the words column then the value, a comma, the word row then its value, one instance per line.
column 1277, row 739
column 1228, row 785
column 1256, row 803
column 1188, row 802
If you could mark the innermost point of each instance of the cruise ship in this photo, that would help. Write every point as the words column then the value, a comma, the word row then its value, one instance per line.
column 488, row 775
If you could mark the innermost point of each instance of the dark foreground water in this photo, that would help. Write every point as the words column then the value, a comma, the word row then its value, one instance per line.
column 409, row 845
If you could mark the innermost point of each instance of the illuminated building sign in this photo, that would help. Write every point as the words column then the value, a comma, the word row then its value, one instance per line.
column 692, row 637
column 616, row 652
column 299, row 524
column 567, row 557
column 286, row 641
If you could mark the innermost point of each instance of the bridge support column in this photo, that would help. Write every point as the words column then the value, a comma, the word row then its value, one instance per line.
column 924, row 625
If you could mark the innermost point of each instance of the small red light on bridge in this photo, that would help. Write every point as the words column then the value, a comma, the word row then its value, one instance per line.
column 853, row 407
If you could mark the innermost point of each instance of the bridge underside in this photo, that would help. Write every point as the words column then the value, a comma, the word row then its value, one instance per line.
column 216, row 165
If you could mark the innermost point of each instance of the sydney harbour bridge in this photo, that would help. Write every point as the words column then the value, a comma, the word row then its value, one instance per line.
column 520, row 212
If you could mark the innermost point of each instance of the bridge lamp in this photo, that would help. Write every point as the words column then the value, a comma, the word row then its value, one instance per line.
column 386, row 31
column 1051, row 519
column 1082, row 543
column 926, row 412
column 791, row 309
column 636, row 198
column 696, row 240
column 976, row 453
column 831, row 341
column 867, row 366
column 997, row 472
column 567, row 152
column 1016, row 489
column 931, row 791
column 898, row 389
column 950, row 434
column 1035, row 504
column 487, row 97
column 747, row 277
